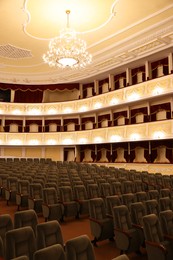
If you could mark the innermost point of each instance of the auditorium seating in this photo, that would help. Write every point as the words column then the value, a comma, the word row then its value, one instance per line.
column 92, row 181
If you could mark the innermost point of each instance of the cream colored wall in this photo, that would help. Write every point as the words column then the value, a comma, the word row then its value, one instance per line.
column 56, row 153
column 33, row 152
column 12, row 152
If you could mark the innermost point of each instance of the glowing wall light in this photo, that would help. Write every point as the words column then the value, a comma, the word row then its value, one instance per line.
column 114, row 101
column 135, row 137
column 34, row 142
column 82, row 140
column 157, row 90
column 68, row 110
column 83, row 109
column 158, row 135
column 51, row 142
column 97, row 105
column 15, row 142
column 97, row 139
column 16, row 112
column 133, row 96
column 67, row 141
column 115, row 138
column 52, row 111
column 34, row 111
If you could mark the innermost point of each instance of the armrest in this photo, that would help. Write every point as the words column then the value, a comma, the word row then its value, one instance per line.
column 96, row 221
column 123, row 232
column 168, row 237
column 137, row 226
column 156, row 245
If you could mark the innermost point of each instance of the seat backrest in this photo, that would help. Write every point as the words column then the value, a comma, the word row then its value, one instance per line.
column 137, row 213
column 93, row 191
column 97, row 209
column 26, row 218
column 12, row 183
column 116, row 188
column 153, row 194
column 152, row 228
column 80, row 248
column 50, row 196
column 20, row 241
column 66, row 194
column 54, row 252
column 128, row 187
column 6, row 224
column 141, row 196
column 152, row 206
column 138, row 185
column 49, row 233
column 165, row 203
column 23, row 187
column 128, row 199
column 164, row 192
column 121, row 218
column 166, row 220
column 105, row 189
column 112, row 201
column 80, row 192
column 36, row 191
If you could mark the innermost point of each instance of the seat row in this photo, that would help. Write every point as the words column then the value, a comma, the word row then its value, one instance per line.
column 27, row 237
column 133, row 229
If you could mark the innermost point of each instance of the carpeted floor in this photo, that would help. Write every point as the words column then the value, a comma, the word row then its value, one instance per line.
column 106, row 250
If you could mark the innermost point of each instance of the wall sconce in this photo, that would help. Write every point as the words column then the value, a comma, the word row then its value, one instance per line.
column 51, row 142
column 157, row 90
column 67, row 141
column 135, row 137
column 115, row 138
column 34, row 142
column 114, row 101
column 133, row 96
column 82, row 140
column 16, row 112
column 97, row 105
column 52, row 111
column 83, row 109
column 34, row 111
column 15, row 142
column 68, row 110
column 158, row 135
column 97, row 139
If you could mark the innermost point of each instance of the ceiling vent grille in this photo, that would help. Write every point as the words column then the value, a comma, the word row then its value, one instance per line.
column 12, row 52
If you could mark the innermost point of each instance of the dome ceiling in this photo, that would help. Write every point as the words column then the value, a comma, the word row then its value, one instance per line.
column 116, row 31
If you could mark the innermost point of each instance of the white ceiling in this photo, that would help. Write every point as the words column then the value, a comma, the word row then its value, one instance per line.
column 116, row 32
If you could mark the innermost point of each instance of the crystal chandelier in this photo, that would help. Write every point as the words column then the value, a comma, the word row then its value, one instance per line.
column 67, row 51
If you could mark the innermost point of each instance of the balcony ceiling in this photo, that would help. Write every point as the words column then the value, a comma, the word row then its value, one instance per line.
column 116, row 32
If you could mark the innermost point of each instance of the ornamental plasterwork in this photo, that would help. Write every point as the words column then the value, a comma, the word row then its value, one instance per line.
column 165, row 84
column 34, row 136
column 136, row 129
column 162, row 127
column 117, row 131
column 138, row 90
column 101, row 133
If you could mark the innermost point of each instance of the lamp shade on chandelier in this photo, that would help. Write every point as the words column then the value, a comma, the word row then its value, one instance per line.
column 67, row 50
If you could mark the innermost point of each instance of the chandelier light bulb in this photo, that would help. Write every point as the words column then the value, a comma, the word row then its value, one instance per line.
column 67, row 51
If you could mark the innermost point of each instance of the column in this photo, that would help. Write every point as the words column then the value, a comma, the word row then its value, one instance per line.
column 170, row 63
column 96, row 87
column 128, row 77
column 148, row 74
column 111, row 82
column 81, row 91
